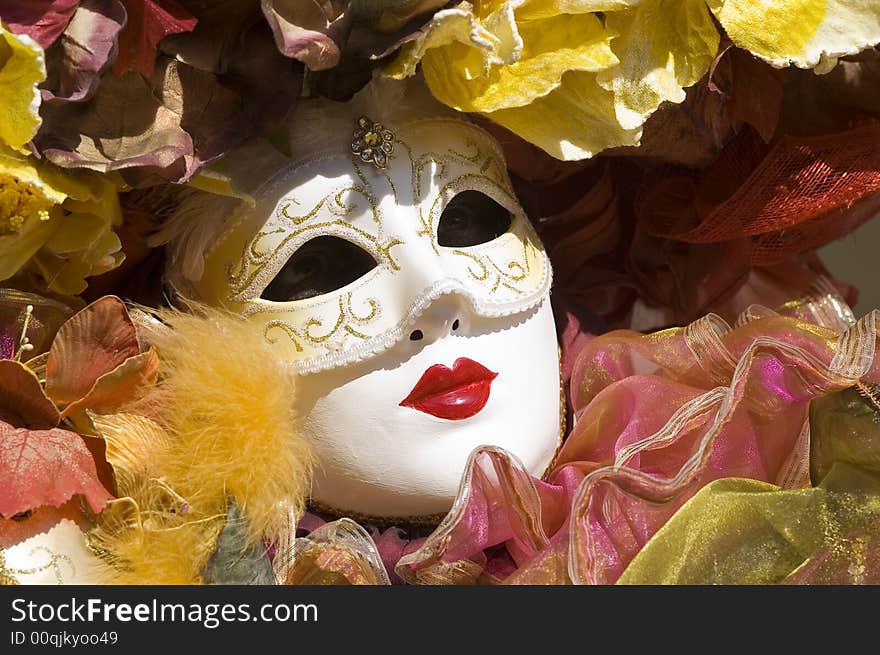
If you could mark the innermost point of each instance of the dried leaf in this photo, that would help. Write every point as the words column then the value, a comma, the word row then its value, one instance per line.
column 93, row 342
column 235, row 562
column 39, row 521
column 22, row 400
column 42, row 20
column 120, row 386
column 84, row 52
column 324, row 34
column 751, row 88
column 123, row 125
column 177, row 121
column 45, row 467
column 308, row 31
column 255, row 60
column 221, row 24
column 149, row 21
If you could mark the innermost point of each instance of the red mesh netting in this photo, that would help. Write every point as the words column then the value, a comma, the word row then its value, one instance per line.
column 788, row 198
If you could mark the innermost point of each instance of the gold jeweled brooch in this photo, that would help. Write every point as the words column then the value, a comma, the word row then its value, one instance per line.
column 372, row 142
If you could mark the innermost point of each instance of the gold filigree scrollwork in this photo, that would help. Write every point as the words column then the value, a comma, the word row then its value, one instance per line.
column 9, row 576
column 255, row 256
column 485, row 161
column 478, row 180
column 6, row 576
column 496, row 277
column 441, row 160
column 346, row 325
column 363, row 178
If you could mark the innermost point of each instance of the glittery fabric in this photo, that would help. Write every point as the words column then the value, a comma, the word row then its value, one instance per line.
column 739, row 531
column 658, row 418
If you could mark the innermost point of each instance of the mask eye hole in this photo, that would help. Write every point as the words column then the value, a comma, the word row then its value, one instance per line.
column 472, row 218
column 319, row 266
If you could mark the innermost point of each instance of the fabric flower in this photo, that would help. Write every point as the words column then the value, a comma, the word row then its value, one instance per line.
column 803, row 33
column 578, row 77
column 22, row 68
column 558, row 75
column 321, row 34
column 42, row 20
column 57, row 223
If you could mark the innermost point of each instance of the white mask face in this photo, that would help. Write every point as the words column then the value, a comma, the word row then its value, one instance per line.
column 414, row 301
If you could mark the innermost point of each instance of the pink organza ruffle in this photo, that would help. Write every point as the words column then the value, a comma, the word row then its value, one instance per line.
column 658, row 417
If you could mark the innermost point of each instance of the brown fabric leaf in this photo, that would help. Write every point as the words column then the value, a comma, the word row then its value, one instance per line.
column 322, row 33
column 738, row 90
column 308, row 30
column 752, row 90
column 93, row 342
column 149, row 21
column 123, row 125
column 221, row 24
column 22, row 400
column 120, row 386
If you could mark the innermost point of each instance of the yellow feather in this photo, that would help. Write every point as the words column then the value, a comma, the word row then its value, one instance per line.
column 220, row 423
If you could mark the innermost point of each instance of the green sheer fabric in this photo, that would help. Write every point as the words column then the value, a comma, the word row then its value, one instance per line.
column 741, row 531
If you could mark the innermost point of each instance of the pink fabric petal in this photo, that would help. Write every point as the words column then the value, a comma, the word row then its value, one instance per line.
column 42, row 20
column 86, row 49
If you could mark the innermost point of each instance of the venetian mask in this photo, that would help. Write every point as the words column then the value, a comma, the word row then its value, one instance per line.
column 394, row 269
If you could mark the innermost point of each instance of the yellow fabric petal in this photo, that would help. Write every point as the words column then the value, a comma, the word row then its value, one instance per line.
column 67, row 274
column 551, row 47
column 581, row 81
column 32, row 172
column 60, row 220
column 575, row 121
column 532, row 9
column 16, row 248
column 448, row 27
column 84, row 243
column 805, row 33
column 664, row 46
column 75, row 232
column 22, row 68
column 89, row 192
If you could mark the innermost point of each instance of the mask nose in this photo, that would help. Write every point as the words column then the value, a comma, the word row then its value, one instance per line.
column 446, row 316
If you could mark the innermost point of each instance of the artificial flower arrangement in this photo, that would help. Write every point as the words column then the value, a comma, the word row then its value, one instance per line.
column 511, row 292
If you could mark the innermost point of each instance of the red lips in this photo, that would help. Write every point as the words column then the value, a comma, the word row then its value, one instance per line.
column 456, row 393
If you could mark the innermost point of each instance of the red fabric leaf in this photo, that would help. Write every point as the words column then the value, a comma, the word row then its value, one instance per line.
column 45, row 467
column 149, row 21
column 42, row 20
